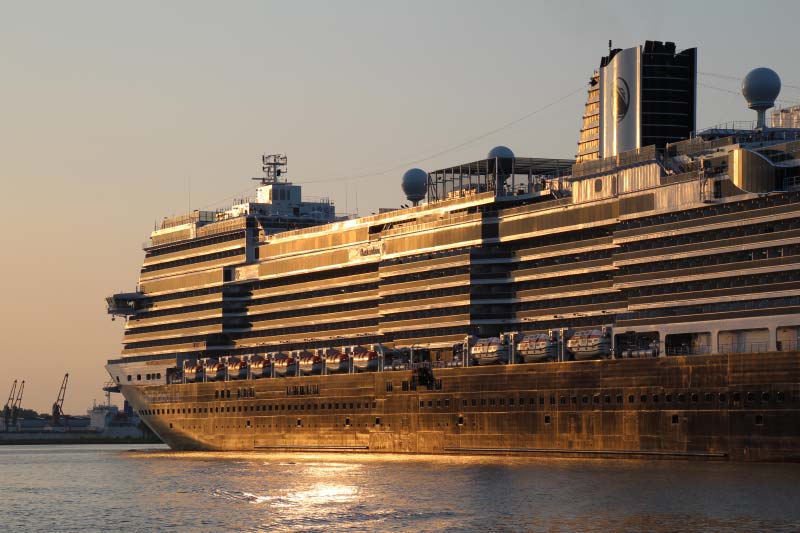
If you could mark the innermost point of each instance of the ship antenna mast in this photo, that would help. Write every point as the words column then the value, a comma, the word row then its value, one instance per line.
column 274, row 166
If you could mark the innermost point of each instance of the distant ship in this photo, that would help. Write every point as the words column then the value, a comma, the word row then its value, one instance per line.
column 641, row 300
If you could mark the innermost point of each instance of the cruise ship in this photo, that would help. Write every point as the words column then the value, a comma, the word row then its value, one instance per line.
column 640, row 300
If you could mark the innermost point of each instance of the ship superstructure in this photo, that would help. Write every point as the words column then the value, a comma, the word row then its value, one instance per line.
column 644, row 257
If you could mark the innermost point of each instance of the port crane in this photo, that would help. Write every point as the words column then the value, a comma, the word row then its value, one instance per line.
column 17, row 406
column 7, row 406
column 58, row 411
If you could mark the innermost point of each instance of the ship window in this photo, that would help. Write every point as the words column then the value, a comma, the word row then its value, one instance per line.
column 655, row 398
column 483, row 401
column 447, row 402
column 460, row 420
column 681, row 397
column 750, row 396
column 351, row 405
column 759, row 420
column 216, row 394
column 377, row 421
column 722, row 397
column 438, row 403
column 430, row 403
column 336, row 406
column 531, row 401
column 147, row 377
column 552, row 400
column 779, row 396
column 299, row 423
column 598, row 185
column 464, row 402
column 389, row 386
column 158, row 375
column 708, row 397
column 474, row 402
column 674, row 419
column 596, row 398
column 229, row 393
column 619, row 398
column 546, row 419
column 138, row 377
column 510, row 401
column 330, row 406
column 129, row 378
column 643, row 398
column 541, row 400
column 422, row 403
column 585, row 399
column 695, row 397
column 347, row 422
column 491, row 401
column 668, row 397
column 574, row 399
column 631, row 399
column 374, row 405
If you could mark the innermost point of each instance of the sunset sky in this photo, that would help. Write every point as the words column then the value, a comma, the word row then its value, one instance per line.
column 114, row 115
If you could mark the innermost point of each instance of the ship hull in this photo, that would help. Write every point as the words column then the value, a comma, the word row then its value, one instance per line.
column 742, row 407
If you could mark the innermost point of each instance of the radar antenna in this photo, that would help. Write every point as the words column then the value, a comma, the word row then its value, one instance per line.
column 274, row 166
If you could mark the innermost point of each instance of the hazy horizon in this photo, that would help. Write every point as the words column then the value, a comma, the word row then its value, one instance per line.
column 116, row 115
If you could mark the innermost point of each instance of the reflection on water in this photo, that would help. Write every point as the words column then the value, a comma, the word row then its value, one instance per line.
column 98, row 488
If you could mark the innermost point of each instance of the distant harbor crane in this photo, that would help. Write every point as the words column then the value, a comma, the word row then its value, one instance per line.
column 17, row 406
column 58, row 410
column 7, row 406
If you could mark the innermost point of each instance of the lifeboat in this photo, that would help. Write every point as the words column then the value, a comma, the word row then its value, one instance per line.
column 281, row 364
column 237, row 368
column 215, row 371
column 367, row 361
column 537, row 348
column 260, row 367
column 193, row 373
column 489, row 351
column 337, row 363
column 300, row 364
column 590, row 344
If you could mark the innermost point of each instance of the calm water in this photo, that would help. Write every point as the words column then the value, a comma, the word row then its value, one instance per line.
column 102, row 488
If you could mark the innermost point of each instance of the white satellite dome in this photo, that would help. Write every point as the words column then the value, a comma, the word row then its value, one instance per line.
column 500, row 152
column 415, row 184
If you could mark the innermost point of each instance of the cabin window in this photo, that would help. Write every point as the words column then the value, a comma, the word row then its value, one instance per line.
column 138, row 377
column 674, row 419
column 722, row 397
column 546, row 419
column 631, row 399
column 619, row 398
column 541, row 400
column 147, row 377
column 585, row 399
column 765, row 396
column 158, row 375
column 464, row 402
column 422, row 403
column 563, row 400
column 117, row 379
column 607, row 398
column 668, row 397
column 552, row 400
column 596, row 399
column 474, row 402
column 347, row 422
column 216, row 394
column 759, row 420
column 695, row 397
column 643, row 398
column 374, row 405
column 483, row 401
column 460, row 420
column 430, row 403
column 681, row 397
column 352, row 405
column 750, row 396
column 447, row 402
column 598, row 185
column 779, row 396
column 129, row 378
column 377, row 421
column 389, row 386
column 229, row 393
column 299, row 423
column 491, row 401
column 511, row 401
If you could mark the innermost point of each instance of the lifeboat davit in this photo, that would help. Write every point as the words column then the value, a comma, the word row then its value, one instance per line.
column 367, row 361
column 589, row 344
column 237, row 368
column 193, row 373
column 537, row 348
column 215, row 371
column 489, row 351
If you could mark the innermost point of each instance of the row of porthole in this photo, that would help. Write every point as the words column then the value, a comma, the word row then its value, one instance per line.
column 147, row 377
column 258, row 408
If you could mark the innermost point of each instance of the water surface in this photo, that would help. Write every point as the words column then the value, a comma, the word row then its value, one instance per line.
column 147, row 488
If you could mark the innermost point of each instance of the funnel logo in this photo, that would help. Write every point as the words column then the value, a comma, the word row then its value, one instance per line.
column 623, row 99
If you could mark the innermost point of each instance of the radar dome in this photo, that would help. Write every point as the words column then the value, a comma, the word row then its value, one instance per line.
column 500, row 152
column 415, row 184
column 761, row 87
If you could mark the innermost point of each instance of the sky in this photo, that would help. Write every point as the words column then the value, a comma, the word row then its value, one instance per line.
column 114, row 115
